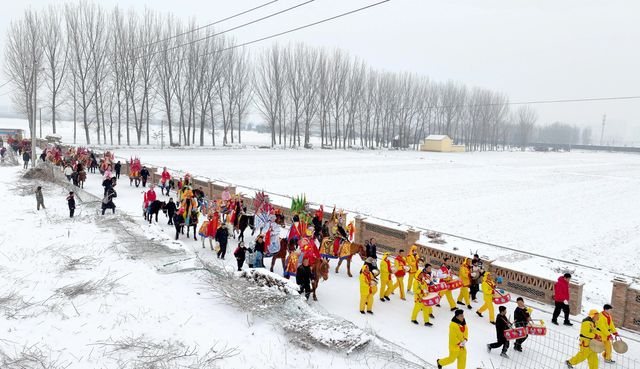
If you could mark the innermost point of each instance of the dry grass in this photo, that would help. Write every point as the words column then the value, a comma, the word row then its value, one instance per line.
column 140, row 352
column 32, row 357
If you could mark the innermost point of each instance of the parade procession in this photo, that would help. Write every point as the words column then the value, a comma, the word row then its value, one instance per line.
column 308, row 241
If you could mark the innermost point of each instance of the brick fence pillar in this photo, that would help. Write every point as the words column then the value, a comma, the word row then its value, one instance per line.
column 575, row 300
column 210, row 190
column 619, row 299
column 412, row 237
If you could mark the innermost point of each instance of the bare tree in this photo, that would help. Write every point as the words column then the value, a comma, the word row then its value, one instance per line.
column 23, row 60
column 269, row 87
column 526, row 118
column 55, row 53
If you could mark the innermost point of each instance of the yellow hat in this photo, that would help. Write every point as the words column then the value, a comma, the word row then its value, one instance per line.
column 386, row 254
column 593, row 312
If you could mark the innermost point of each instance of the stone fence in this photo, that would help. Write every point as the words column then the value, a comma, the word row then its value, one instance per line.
column 537, row 288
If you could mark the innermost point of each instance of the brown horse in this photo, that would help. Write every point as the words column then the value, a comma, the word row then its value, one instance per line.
column 347, row 250
column 353, row 248
column 320, row 269
column 285, row 247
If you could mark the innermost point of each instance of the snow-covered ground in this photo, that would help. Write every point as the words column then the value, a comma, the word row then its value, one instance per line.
column 37, row 247
column 566, row 206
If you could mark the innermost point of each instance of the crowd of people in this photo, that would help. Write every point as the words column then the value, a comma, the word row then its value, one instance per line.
column 428, row 284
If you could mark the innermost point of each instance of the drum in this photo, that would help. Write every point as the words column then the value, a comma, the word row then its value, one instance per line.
column 454, row 284
column 437, row 287
column 596, row 346
column 431, row 299
column 620, row 346
column 499, row 299
column 537, row 330
column 515, row 333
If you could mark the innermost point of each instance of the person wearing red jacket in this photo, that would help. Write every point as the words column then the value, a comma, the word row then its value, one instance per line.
column 561, row 298
column 164, row 181
column 149, row 198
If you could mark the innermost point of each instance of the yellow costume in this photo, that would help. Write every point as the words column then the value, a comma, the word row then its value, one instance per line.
column 386, row 282
column 420, row 291
column 399, row 264
column 412, row 262
column 458, row 337
column 606, row 330
column 588, row 331
column 444, row 274
column 487, row 292
column 465, row 278
column 368, row 289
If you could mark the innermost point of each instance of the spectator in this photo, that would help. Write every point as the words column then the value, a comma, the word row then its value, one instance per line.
column 240, row 254
column 371, row 249
column 68, row 171
column 71, row 201
column 171, row 209
column 39, row 198
column 561, row 298
column 144, row 173
column 222, row 236
column 26, row 157
column 303, row 277
column 259, row 250
column 117, row 168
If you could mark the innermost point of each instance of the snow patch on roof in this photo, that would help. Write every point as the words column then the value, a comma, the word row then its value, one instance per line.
column 437, row 137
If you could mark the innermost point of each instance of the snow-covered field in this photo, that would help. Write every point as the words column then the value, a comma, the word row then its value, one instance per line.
column 139, row 297
column 566, row 206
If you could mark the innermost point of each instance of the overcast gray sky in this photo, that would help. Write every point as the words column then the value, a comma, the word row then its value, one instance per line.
column 528, row 49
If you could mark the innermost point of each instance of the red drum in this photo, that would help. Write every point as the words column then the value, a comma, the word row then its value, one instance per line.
column 515, row 333
column 501, row 299
column 431, row 299
column 437, row 287
column 537, row 330
column 454, row 284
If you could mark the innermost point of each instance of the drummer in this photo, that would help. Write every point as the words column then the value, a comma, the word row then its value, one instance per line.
column 521, row 318
column 401, row 268
column 444, row 273
column 588, row 332
column 420, row 293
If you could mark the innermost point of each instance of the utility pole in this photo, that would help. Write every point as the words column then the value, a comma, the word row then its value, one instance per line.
column 40, row 122
column 35, row 102
column 604, row 120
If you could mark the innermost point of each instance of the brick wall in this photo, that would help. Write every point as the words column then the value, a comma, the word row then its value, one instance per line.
column 626, row 304
column 515, row 282
column 387, row 238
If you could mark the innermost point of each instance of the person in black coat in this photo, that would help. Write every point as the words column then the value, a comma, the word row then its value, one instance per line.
column 26, row 157
column 107, row 201
column 222, row 236
column 170, row 208
column 317, row 227
column 117, row 168
column 521, row 318
column 502, row 324
column 239, row 254
column 71, row 201
column 178, row 222
column 371, row 249
column 259, row 248
column 144, row 173
column 303, row 278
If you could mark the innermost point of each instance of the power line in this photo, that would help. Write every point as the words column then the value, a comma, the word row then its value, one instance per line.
column 6, row 83
column 290, row 30
column 211, row 35
column 212, row 23
column 234, row 28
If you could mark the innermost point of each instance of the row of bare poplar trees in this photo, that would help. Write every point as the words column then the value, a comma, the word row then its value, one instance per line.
column 118, row 71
